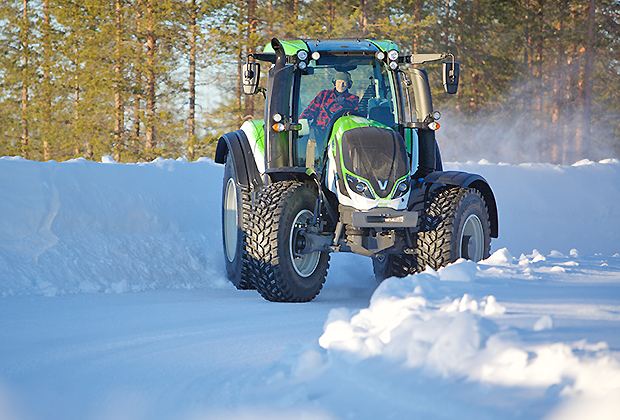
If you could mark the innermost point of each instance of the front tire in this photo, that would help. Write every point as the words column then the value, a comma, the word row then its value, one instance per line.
column 279, row 273
column 235, row 209
column 457, row 226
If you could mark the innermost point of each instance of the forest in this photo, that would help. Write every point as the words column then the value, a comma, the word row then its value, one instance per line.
column 139, row 79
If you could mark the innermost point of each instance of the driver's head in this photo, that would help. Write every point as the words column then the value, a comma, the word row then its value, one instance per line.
column 342, row 81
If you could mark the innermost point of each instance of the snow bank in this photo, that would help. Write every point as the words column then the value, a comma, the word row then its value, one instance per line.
column 81, row 226
column 426, row 323
column 553, row 207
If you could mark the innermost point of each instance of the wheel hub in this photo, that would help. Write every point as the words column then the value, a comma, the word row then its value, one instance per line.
column 303, row 264
column 230, row 220
column 471, row 244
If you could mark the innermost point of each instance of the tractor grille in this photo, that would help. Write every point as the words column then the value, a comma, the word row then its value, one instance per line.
column 376, row 154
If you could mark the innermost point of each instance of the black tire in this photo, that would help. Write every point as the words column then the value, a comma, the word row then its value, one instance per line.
column 442, row 239
column 236, row 268
column 271, row 263
column 391, row 265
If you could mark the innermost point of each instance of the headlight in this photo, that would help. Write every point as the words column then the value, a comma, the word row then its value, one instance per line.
column 380, row 55
column 401, row 188
column 316, row 55
column 393, row 55
column 301, row 65
column 302, row 55
column 393, row 65
column 360, row 186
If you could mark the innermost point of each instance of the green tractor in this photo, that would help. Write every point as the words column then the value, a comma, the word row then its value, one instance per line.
column 345, row 160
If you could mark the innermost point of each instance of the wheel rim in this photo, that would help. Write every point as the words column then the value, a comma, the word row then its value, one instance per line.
column 471, row 244
column 230, row 220
column 304, row 264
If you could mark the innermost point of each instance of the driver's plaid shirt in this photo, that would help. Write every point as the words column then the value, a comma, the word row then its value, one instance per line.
column 326, row 104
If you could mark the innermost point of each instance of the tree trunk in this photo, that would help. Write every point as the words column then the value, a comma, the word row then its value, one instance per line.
column 331, row 9
column 138, row 85
column 539, row 56
column 364, row 18
column 47, row 94
column 447, row 28
column 151, row 44
column 571, row 95
column 559, row 77
column 239, row 89
column 25, row 56
column 527, row 55
column 583, row 149
column 119, row 126
column 417, row 17
column 76, row 107
column 191, row 120
column 474, row 100
column 252, row 24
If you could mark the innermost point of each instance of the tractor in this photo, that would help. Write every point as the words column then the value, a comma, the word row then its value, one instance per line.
column 365, row 178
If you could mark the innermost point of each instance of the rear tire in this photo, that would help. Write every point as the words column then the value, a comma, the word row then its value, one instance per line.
column 278, row 275
column 391, row 265
column 457, row 226
column 235, row 211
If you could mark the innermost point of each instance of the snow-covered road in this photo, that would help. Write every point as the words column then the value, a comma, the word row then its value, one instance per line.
column 156, row 354
column 113, row 306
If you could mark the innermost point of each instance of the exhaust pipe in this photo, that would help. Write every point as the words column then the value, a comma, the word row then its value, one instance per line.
column 280, row 54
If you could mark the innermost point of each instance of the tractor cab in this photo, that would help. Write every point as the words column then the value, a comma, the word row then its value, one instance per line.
column 386, row 96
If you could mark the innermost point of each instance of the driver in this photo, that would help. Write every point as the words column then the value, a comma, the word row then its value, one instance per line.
column 329, row 101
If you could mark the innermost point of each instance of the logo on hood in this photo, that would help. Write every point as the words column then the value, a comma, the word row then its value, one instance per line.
column 382, row 185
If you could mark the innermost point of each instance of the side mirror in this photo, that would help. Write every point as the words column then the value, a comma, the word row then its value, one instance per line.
column 251, row 76
column 451, row 72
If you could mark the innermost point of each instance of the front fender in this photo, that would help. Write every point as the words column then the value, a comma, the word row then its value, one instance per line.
column 236, row 143
column 469, row 180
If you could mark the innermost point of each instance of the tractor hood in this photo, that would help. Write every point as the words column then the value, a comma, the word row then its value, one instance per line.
column 369, row 153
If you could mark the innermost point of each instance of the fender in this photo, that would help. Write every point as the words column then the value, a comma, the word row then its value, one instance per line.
column 242, row 157
column 468, row 180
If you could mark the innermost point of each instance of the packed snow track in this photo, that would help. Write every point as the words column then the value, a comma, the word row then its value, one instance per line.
column 113, row 305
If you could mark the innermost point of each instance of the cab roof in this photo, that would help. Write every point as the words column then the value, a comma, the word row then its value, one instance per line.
column 352, row 46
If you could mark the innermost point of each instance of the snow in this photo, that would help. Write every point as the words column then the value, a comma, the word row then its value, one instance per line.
column 81, row 226
column 113, row 305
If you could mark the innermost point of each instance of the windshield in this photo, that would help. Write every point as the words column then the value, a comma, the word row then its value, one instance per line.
column 336, row 85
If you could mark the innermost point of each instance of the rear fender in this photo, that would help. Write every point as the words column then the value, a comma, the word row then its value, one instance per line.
column 237, row 144
column 467, row 180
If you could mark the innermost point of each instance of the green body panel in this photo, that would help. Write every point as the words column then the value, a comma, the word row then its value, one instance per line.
column 255, row 130
column 385, row 45
column 408, row 140
column 349, row 122
column 290, row 47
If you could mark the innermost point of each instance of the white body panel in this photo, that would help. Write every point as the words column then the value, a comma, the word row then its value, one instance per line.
column 259, row 157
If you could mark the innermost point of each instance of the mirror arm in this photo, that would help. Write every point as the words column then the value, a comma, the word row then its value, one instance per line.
column 424, row 58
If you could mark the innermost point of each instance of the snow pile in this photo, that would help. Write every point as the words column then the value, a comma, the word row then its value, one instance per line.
column 426, row 323
column 81, row 226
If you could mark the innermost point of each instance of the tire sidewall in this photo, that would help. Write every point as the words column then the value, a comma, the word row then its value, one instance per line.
column 234, row 267
column 303, row 198
column 471, row 203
